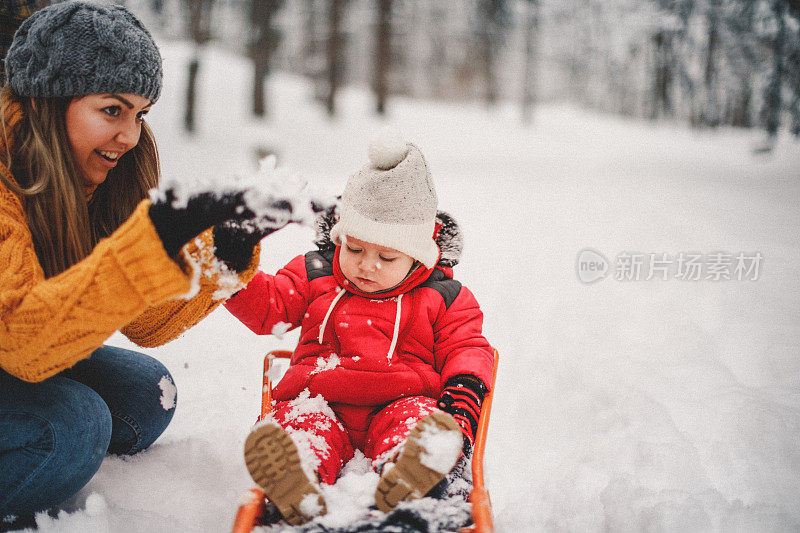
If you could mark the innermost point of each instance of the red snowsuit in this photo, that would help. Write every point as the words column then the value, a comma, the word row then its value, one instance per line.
column 372, row 351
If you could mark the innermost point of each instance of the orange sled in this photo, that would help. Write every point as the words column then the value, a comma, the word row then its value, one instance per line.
column 253, row 505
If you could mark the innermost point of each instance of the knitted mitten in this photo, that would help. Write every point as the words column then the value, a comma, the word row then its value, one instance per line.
column 179, row 223
column 462, row 397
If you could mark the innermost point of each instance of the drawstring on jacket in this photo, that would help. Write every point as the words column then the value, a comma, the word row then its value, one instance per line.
column 395, row 333
column 396, row 329
column 328, row 314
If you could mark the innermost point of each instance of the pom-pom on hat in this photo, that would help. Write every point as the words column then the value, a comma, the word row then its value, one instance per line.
column 391, row 201
column 77, row 47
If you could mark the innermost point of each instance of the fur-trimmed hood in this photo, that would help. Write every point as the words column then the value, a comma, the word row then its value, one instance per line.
column 449, row 237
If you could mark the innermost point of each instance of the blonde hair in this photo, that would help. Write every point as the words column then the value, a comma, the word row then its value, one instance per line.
column 64, row 226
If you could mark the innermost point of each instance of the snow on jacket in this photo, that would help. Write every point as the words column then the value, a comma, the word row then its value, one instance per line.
column 127, row 282
column 361, row 353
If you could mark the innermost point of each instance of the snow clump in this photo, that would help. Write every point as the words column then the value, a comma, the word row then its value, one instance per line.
column 280, row 329
column 168, row 393
column 441, row 448
column 324, row 364
column 310, row 505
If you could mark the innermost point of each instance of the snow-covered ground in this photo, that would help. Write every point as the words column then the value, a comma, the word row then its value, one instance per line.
column 620, row 405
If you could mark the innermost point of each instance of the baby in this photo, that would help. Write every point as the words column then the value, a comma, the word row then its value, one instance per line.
column 391, row 359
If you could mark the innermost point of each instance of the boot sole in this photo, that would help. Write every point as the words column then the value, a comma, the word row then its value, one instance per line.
column 274, row 463
column 410, row 479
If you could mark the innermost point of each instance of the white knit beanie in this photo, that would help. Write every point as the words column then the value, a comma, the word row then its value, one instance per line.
column 391, row 201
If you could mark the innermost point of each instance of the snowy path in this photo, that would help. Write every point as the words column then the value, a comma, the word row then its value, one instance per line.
column 641, row 405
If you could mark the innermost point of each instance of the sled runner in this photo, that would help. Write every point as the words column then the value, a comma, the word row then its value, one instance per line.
column 253, row 507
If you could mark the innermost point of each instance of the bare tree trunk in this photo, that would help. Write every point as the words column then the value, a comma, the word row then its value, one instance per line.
column 711, row 114
column 310, row 28
column 260, row 71
column 487, row 51
column 528, row 91
column 662, row 76
column 383, row 54
column 793, row 77
column 194, row 65
column 200, row 34
column 493, row 23
column 772, row 99
column 334, row 44
column 740, row 110
column 264, row 41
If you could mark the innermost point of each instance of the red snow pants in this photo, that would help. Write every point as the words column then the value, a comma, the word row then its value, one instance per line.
column 332, row 445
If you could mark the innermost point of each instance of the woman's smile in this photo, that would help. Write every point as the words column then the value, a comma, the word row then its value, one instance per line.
column 107, row 158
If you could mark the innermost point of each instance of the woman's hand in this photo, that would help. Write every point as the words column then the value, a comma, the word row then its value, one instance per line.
column 178, row 221
column 234, row 240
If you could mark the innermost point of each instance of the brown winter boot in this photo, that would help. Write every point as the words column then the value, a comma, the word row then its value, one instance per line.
column 273, row 461
column 417, row 469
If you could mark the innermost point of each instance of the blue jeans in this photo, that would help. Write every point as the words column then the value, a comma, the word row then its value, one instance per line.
column 54, row 434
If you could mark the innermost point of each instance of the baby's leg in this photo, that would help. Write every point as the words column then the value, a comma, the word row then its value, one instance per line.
column 390, row 427
column 291, row 450
column 320, row 437
column 418, row 445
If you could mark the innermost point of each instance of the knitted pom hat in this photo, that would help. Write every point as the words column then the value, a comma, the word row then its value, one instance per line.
column 391, row 201
column 78, row 47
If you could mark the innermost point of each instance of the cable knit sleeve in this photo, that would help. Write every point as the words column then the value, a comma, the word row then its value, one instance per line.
column 165, row 322
column 47, row 325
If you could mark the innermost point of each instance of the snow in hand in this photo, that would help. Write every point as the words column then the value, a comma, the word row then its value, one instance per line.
column 275, row 194
column 620, row 406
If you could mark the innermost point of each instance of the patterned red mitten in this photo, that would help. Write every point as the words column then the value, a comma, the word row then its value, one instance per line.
column 462, row 397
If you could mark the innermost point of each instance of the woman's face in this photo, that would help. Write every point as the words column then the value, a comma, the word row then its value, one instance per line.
column 101, row 128
column 373, row 268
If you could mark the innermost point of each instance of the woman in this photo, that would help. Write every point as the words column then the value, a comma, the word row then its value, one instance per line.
column 83, row 253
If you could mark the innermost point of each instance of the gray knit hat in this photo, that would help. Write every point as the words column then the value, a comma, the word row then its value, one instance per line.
column 391, row 201
column 78, row 47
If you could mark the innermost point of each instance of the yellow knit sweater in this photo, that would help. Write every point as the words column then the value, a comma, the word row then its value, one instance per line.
column 127, row 283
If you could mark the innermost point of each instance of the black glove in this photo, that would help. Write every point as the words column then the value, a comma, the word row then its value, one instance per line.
column 178, row 225
column 234, row 240
column 462, row 397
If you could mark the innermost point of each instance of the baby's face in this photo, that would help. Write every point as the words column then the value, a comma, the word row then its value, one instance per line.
column 372, row 268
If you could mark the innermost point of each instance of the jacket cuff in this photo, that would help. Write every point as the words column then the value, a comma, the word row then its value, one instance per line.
column 469, row 381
